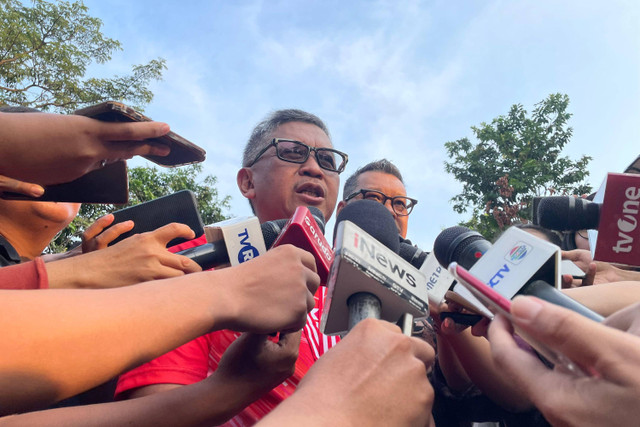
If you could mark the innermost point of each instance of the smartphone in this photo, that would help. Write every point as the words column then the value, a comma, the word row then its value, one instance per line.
column 496, row 303
column 182, row 153
column 180, row 207
column 461, row 318
column 109, row 184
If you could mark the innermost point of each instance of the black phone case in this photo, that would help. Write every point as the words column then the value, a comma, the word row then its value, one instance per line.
column 180, row 207
column 109, row 184
column 183, row 152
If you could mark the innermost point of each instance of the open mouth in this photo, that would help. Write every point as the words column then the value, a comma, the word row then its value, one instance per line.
column 311, row 190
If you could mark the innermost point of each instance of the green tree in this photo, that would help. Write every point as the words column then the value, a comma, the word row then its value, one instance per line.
column 145, row 184
column 45, row 50
column 515, row 158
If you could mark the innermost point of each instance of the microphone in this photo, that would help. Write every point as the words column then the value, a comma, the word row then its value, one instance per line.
column 567, row 213
column 305, row 230
column 616, row 219
column 461, row 245
column 234, row 237
column 215, row 254
column 368, row 278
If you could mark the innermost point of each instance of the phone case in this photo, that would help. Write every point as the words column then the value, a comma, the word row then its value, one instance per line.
column 109, row 184
column 180, row 207
column 183, row 152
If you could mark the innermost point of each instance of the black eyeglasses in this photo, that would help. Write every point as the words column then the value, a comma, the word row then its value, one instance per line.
column 401, row 205
column 298, row 152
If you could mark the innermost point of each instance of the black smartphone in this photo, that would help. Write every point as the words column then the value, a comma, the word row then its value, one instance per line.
column 181, row 207
column 109, row 184
column 182, row 153
column 461, row 318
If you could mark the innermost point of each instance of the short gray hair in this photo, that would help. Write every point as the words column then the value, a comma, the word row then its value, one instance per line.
column 382, row 165
column 260, row 134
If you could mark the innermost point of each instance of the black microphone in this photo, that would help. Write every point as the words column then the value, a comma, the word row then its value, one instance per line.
column 566, row 213
column 461, row 245
column 215, row 254
column 412, row 254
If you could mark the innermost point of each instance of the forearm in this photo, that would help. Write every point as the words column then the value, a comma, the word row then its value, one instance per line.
column 57, row 343
column 208, row 402
column 452, row 369
column 608, row 298
column 474, row 353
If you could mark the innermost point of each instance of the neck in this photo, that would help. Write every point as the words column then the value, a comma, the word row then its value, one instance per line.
column 28, row 241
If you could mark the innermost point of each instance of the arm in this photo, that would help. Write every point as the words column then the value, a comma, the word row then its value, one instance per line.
column 57, row 343
column 250, row 367
column 610, row 397
column 69, row 146
column 606, row 299
column 139, row 258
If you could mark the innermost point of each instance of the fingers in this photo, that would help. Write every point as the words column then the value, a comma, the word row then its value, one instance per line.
column 627, row 319
column 96, row 237
column 172, row 231
column 593, row 346
column 178, row 263
column 131, row 131
column 11, row 185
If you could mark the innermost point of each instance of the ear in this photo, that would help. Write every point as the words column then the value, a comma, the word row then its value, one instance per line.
column 341, row 204
column 244, row 180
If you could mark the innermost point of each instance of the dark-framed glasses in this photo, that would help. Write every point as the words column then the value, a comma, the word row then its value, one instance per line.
column 293, row 151
column 402, row 205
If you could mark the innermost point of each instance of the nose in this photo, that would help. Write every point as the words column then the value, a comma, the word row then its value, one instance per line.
column 389, row 206
column 311, row 167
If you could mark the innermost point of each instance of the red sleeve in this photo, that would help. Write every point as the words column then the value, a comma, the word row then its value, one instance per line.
column 186, row 364
column 28, row 275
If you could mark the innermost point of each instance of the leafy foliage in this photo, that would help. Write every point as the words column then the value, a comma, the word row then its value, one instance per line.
column 515, row 158
column 45, row 50
column 145, row 184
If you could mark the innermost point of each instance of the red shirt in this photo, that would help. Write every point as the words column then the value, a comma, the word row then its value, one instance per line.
column 199, row 358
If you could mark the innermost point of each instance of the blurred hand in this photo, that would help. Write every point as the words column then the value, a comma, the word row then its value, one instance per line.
column 54, row 148
column 95, row 238
column 609, row 397
column 258, row 362
column 139, row 258
column 375, row 376
column 10, row 185
column 270, row 293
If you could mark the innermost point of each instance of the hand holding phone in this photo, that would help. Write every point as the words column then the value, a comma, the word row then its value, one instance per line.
column 498, row 304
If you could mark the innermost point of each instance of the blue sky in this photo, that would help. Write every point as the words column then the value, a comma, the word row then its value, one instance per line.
column 394, row 79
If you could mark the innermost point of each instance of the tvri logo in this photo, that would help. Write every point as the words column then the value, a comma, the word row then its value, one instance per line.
column 247, row 250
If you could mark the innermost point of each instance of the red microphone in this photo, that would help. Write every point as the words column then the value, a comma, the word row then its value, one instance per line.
column 305, row 230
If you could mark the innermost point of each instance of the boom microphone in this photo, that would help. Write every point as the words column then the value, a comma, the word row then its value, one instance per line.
column 567, row 213
column 455, row 244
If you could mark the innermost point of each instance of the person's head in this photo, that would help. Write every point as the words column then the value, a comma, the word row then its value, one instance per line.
column 280, row 172
column 380, row 181
column 31, row 222
column 541, row 232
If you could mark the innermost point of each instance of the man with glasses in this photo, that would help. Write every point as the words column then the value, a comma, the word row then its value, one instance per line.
column 289, row 161
column 381, row 181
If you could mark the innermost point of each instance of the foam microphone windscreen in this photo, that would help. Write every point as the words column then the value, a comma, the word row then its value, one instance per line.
column 564, row 213
column 459, row 244
column 373, row 218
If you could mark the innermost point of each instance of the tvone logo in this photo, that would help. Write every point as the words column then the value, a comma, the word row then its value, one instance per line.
column 629, row 221
column 247, row 251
